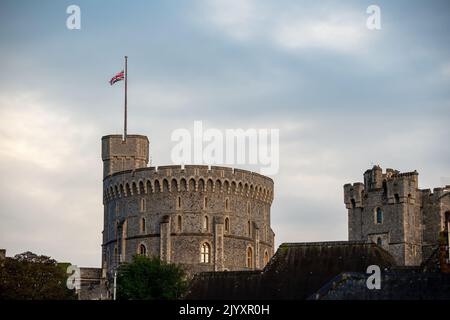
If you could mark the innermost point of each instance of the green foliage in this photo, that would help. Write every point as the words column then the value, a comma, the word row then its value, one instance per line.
column 149, row 278
column 31, row 277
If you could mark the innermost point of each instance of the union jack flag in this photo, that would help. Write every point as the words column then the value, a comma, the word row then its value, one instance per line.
column 117, row 77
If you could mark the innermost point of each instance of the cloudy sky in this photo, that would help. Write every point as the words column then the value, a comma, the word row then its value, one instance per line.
column 343, row 97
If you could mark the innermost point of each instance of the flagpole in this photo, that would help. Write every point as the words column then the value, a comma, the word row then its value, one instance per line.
column 125, row 115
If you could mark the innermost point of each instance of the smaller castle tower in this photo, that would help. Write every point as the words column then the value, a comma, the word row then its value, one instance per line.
column 390, row 210
column 122, row 155
column 386, row 209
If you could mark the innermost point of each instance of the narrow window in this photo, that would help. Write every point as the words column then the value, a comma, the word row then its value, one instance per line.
column 205, row 253
column 249, row 257
column 227, row 224
column 447, row 224
column 142, row 208
column 142, row 250
column 379, row 215
column 179, row 224
column 143, row 225
column 397, row 198
column 205, row 223
column 248, row 207
column 205, row 203
column 227, row 204
column 178, row 202
column 249, row 228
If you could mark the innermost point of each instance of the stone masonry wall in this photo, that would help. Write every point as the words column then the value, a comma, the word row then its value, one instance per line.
column 168, row 195
column 411, row 218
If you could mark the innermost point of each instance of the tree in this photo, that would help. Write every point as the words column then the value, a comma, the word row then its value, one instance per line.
column 149, row 278
column 28, row 276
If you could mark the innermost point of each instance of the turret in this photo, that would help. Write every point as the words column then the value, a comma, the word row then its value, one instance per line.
column 121, row 155
column 353, row 195
column 373, row 179
column 402, row 187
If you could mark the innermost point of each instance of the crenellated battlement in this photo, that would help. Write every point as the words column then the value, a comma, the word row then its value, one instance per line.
column 193, row 178
column 353, row 195
column 405, row 174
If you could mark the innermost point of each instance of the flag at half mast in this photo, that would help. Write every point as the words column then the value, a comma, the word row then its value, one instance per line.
column 122, row 75
column 117, row 77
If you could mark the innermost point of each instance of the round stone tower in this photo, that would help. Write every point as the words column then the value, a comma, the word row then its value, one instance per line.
column 204, row 218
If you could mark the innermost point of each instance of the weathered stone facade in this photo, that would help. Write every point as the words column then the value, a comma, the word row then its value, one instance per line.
column 92, row 284
column 390, row 210
column 206, row 219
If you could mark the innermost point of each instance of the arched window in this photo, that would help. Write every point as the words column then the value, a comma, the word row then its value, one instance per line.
column 205, row 203
column 142, row 250
column 227, row 224
column 174, row 185
column 249, row 228
column 249, row 257
column 157, row 186
column 178, row 202
column 165, row 185
column 183, row 185
column 379, row 241
column 266, row 257
column 143, row 225
column 205, row 253
column 191, row 185
column 179, row 224
column 201, row 185
column 205, row 223
column 378, row 215
column 142, row 207
column 227, row 204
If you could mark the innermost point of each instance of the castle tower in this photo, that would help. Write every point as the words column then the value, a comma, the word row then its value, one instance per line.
column 191, row 215
column 122, row 155
column 386, row 210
